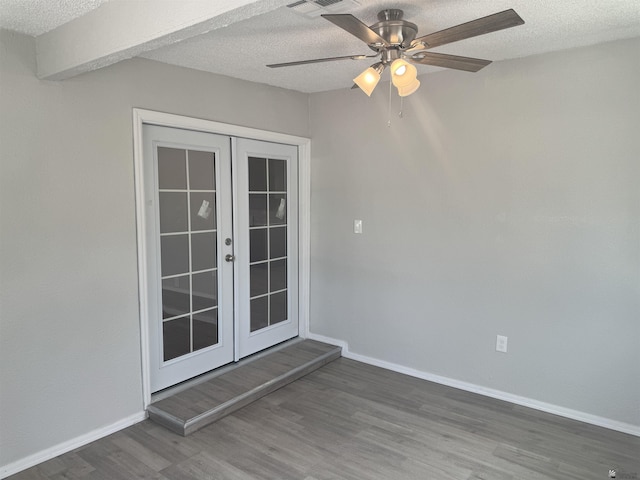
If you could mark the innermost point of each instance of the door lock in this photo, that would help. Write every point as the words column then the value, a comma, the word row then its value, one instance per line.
column 229, row 258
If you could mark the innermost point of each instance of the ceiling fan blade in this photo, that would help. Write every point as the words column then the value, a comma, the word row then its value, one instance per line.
column 355, row 27
column 492, row 23
column 450, row 61
column 319, row 60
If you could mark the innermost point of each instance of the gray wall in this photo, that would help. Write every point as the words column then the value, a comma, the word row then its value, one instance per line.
column 69, row 329
column 504, row 202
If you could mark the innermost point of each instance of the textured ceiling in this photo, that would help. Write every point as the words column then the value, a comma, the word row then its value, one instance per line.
column 35, row 17
column 242, row 49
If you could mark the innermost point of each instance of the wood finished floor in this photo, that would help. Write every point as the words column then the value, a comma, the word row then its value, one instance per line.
column 354, row 421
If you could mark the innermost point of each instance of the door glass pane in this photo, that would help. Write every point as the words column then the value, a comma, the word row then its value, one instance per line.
column 203, row 211
column 277, row 209
column 172, row 169
column 174, row 254
column 201, row 170
column 277, row 175
column 278, row 307
column 205, row 329
column 175, row 296
column 257, row 210
column 278, row 275
column 176, row 338
column 191, row 214
column 257, row 174
column 259, row 313
column 203, row 251
column 173, row 212
column 258, row 244
column 278, row 242
column 205, row 290
column 259, row 278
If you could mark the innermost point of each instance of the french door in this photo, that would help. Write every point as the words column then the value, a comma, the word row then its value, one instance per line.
column 267, row 244
column 221, row 242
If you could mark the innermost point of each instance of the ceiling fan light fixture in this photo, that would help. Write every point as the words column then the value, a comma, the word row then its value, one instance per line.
column 409, row 89
column 399, row 67
column 368, row 79
column 403, row 73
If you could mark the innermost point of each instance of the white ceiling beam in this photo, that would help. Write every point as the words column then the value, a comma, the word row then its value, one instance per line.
column 122, row 29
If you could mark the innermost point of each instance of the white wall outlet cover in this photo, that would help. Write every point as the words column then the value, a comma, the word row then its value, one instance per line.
column 501, row 343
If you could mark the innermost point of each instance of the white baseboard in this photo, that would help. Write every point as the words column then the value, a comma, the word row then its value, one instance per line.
column 331, row 341
column 489, row 392
column 64, row 447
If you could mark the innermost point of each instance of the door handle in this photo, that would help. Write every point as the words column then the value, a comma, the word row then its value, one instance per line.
column 229, row 258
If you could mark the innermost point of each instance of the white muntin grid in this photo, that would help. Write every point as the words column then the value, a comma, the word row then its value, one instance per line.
column 189, row 233
column 268, row 227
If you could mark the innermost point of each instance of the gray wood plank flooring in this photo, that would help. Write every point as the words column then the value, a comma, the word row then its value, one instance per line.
column 348, row 420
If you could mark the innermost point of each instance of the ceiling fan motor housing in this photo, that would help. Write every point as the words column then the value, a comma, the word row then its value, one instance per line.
column 397, row 32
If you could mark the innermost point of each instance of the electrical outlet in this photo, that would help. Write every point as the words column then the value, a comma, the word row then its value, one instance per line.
column 501, row 343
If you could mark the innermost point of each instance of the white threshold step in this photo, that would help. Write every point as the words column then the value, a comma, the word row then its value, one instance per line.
column 203, row 402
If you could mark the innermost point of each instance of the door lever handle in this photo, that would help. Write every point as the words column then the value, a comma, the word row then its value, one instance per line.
column 229, row 258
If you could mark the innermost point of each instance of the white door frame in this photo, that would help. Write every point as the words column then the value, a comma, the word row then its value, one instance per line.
column 142, row 116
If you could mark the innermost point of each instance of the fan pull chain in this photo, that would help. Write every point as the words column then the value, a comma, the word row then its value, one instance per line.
column 401, row 107
column 389, row 111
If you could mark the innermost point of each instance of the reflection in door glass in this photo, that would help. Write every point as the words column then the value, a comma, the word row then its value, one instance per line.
column 176, row 338
column 257, row 174
column 188, row 250
column 204, row 291
column 203, row 251
column 174, row 254
column 175, row 296
column 278, row 307
column 173, row 212
column 201, row 170
column 203, row 211
column 268, row 242
column 205, row 329
column 277, row 175
column 278, row 209
column 258, row 245
column 257, row 210
column 278, row 274
column 259, row 278
column 259, row 313
column 278, row 242
column 172, row 168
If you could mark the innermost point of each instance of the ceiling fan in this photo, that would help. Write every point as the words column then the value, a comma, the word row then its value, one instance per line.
column 394, row 40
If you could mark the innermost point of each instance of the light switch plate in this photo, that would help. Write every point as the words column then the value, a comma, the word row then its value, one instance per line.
column 357, row 226
column 501, row 343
